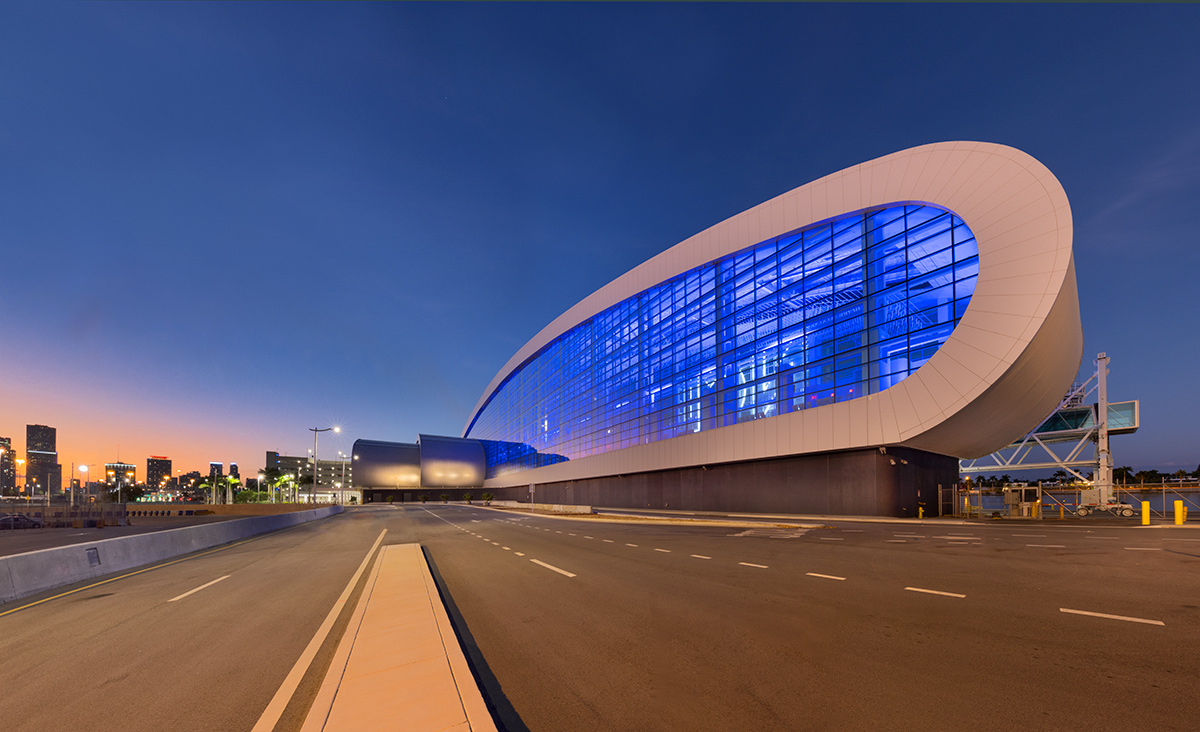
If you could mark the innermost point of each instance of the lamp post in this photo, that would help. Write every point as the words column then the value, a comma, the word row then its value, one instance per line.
column 21, row 464
column 341, row 486
column 312, row 495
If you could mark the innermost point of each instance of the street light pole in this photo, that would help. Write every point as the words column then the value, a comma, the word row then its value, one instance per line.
column 312, row 495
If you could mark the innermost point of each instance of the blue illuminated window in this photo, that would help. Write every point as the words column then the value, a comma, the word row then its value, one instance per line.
column 834, row 312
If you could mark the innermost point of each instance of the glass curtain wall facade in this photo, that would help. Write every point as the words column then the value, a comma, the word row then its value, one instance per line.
column 829, row 313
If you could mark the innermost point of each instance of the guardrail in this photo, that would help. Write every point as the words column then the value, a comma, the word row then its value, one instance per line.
column 32, row 572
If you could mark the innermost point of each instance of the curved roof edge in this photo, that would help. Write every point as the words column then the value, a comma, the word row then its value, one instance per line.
column 1004, row 367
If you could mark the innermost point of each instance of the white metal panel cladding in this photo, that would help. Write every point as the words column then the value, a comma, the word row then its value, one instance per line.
column 1006, row 344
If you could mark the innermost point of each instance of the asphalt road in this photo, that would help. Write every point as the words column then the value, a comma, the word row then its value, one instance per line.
column 643, row 627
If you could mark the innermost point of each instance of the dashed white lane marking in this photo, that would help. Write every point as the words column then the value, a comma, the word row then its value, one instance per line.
column 1176, row 538
column 826, row 576
column 933, row 592
column 519, row 554
column 962, row 543
column 700, row 556
column 851, row 531
column 897, row 541
column 664, row 551
column 201, row 587
column 570, row 534
column 1031, row 536
column 587, row 537
column 960, row 535
column 552, row 568
column 1111, row 617
column 495, row 543
column 748, row 564
column 506, row 549
column 631, row 545
column 832, row 538
column 1048, row 546
column 1142, row 549
column 607, row 541
column 557, row 531
column 909, row 536
column 957, row 537
column 1102, row 537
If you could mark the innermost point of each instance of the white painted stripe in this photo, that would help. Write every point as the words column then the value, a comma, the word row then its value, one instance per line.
column 664, row 551
column 960, row 535
column 956, row 537
column 631, row 545
column 587, row 537
column 1111, row 617
column 851, row 531
column 270, row 716
column 1031, row 536
column 832, row 538
column 909, row 536
column 701, row 556
column 506, row 548
column 825, row 576
column 748, row 564
column 495, row 543
column 897, row 541
column 1143, row 549
column 1048, row 546
column 607, row 541
column 1103, row 537
column 1168, row 538
column 934, row 592
column 201, row 587
column 552, row 568
column 519, row 554
column 570, row 534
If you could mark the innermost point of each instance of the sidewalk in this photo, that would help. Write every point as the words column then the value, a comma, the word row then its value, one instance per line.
column 399, row 665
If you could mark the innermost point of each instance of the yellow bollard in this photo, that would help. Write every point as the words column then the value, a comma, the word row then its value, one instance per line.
column 1178, row 512
column 1145, row 513
column 1062, row 512
column 920, row 512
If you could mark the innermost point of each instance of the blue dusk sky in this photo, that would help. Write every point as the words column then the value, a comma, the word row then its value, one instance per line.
column 223, row 223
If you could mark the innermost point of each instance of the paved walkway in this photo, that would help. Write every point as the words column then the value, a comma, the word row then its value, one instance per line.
column 399, row 665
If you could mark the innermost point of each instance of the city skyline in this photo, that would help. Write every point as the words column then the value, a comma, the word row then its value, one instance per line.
column 222, row 230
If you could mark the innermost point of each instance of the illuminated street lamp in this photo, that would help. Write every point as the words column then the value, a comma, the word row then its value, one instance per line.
column 84, row 469
column 312, row 494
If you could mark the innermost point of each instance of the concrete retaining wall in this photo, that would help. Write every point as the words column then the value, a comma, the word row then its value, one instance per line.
column 32, row 572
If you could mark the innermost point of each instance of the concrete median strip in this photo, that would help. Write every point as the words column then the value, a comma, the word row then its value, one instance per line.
column 399, row 664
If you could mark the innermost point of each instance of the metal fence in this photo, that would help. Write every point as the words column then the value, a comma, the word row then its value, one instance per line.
column 989, row 502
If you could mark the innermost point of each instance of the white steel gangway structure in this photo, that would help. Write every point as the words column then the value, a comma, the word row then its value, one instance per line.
column 1074, row 437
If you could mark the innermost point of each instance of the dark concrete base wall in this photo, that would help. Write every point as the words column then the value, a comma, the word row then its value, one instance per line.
column 851, row 483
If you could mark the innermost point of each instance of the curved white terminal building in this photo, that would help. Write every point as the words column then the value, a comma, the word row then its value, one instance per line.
column 833, row 350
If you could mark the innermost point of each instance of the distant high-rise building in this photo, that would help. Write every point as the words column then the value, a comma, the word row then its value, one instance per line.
column 233, row 471
column 42, row 470
column 8, row 476
column 120, row 473
column 286, row 464
column 329, row 472
column 216, row 470
column 158, row 471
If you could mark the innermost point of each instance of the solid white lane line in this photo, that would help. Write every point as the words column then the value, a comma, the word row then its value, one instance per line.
column 201, row 587
column 748, row 564
column 552, row 568
column 1111, row 617
column 664, row 551
column 832, row 538
column 1048, row 546
column 700, row 556
column 825, row 576
column 270, row 716
column 631, row 545
column 933, row 592
column 1143, row 549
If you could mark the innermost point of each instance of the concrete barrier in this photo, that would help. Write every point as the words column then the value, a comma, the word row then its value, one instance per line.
column 552, row 507
column 33, row 572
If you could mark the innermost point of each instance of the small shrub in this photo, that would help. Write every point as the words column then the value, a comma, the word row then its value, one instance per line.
column 391, row 499
column 487, row 499
column 445, row 497
column 422, row 498
column 467, row 497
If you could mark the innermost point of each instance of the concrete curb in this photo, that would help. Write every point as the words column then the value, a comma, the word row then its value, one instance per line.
column 399, row 664
column 32, row 572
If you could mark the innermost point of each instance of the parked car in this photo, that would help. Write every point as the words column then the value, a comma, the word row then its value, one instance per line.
column 20, row 521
